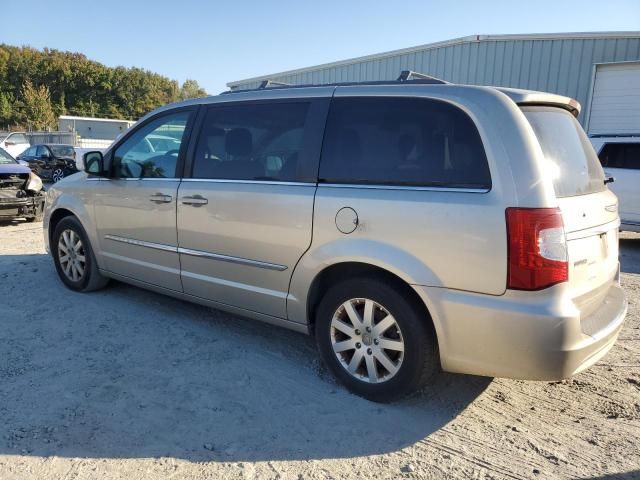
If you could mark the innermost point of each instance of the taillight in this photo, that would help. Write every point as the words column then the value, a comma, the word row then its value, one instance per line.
column 537, row 248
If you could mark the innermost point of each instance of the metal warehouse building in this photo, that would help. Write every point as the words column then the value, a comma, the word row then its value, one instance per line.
column 93, row 128
column 601, row 70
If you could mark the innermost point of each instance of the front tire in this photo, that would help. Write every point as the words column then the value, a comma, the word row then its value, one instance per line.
column 73, row 257
column 375, row 339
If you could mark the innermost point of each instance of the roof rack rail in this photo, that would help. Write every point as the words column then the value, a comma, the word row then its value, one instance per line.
column 272, row 83
column 406, row 75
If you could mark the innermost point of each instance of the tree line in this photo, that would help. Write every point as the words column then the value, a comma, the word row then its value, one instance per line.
column 37, row 86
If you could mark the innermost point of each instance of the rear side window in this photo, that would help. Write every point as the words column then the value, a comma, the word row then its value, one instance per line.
column 621, row 155
column 30, row 152
column 42, row 151
column 571, row 160
column 251, row 142
column 402, row 141
column 62, row 151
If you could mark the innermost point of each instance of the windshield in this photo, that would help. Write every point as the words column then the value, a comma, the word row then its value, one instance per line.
column 5, row 157
column 572, row 162
column 62, row 151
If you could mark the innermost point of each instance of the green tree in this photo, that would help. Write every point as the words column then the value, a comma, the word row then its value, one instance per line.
column 191, row 89
column 60, row 107
column 80, row 86
column 6, row 110
column 37, row 109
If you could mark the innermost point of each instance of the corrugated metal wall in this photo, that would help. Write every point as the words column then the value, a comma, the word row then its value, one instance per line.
column 94, row 129
column 562, row 65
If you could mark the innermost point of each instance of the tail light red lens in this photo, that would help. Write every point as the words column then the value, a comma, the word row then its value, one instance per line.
column 537, row 246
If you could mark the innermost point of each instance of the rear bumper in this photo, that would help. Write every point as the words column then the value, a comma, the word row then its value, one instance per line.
column 524, row 335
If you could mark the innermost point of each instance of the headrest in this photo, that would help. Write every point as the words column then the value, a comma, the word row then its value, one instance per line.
column 238, row 142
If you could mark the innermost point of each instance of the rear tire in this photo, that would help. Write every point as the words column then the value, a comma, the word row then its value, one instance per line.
column 392, row 353
column 73, row 257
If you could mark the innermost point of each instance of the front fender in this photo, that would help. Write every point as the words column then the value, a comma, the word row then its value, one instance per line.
column 79, row 203
column 379, row 254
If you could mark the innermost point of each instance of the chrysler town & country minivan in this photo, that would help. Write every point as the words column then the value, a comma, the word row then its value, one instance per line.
column 409, row 226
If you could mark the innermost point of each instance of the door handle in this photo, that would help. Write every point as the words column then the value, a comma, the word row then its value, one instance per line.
column 160, row 198
column 195, row 201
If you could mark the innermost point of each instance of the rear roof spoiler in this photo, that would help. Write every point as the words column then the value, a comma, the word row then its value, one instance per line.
column 531, row 97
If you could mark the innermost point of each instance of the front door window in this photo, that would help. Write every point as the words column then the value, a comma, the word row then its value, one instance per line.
column 152, row 151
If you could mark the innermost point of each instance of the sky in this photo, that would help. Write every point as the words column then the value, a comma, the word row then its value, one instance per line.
column 216, row 42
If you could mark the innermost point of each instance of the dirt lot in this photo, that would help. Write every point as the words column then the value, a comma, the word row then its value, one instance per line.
column 124, row 383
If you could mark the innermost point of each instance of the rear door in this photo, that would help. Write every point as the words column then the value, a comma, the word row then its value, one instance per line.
column 589, row 208
column 43, row 160
column 622, row 162
column 245, row 215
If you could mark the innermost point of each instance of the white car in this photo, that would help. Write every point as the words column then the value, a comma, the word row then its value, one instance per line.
column 15, row 143
column 620, row 158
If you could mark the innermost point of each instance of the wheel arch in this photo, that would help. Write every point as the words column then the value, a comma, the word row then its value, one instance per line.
column 351, row 269
column 55, row 218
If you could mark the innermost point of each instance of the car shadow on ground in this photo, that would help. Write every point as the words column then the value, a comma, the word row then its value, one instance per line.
column 128, row 373
column 7, row 222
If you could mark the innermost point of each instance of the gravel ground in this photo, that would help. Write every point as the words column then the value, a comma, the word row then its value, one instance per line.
column 124, row 383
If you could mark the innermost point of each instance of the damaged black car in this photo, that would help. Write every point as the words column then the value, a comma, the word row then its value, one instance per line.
column 21, row 191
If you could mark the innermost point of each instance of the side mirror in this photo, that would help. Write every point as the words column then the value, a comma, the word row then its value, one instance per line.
column 94, row 163
column 9, row 143
column 44, row 156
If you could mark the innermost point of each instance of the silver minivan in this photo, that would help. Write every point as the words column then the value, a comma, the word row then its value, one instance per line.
column 409, row 226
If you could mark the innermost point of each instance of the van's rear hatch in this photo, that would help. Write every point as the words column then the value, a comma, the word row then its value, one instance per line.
column 589, row 209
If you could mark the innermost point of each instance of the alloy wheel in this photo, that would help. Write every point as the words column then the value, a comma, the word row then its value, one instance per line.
column 367, row 340
column 71, row 255
column 57, row 175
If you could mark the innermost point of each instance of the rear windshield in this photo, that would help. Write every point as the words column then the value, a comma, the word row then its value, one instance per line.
column 62, row 151
column 572, row 162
